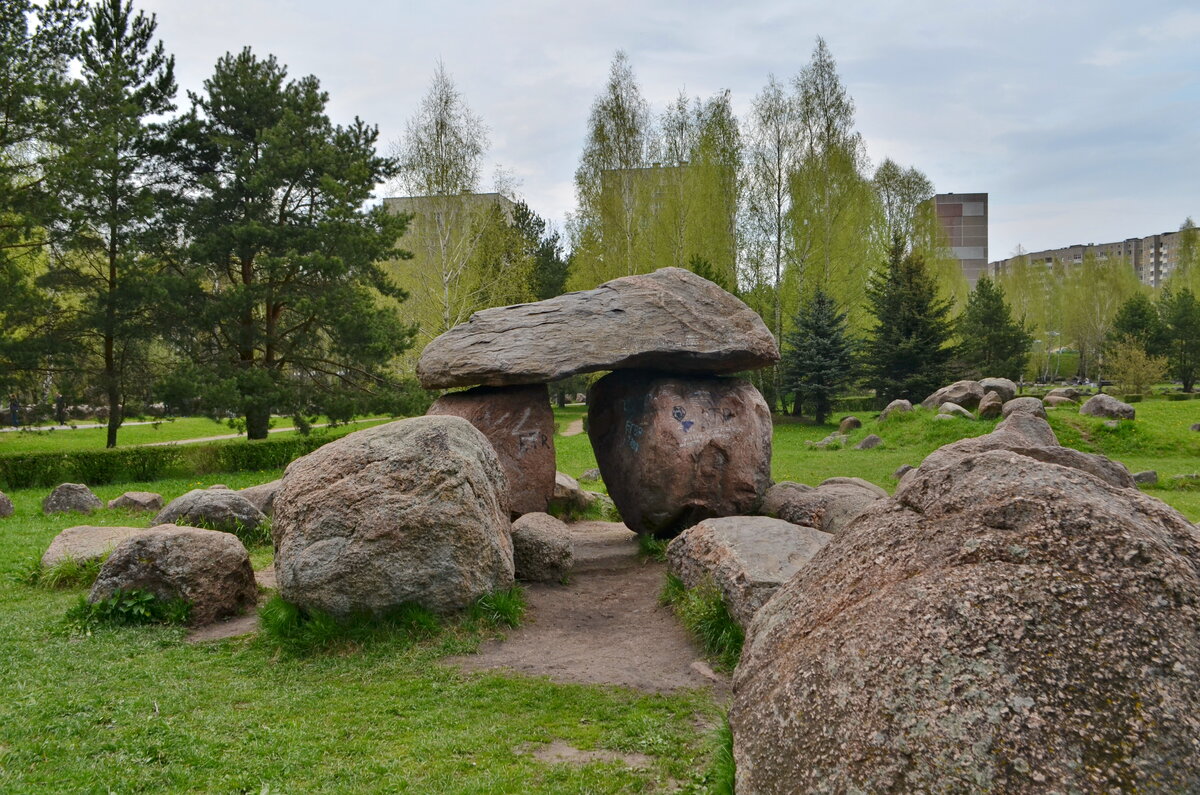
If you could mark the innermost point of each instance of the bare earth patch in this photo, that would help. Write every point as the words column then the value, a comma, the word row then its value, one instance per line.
column 574, row 428
column 560, row 752
column 239, row 625
column 604, row 627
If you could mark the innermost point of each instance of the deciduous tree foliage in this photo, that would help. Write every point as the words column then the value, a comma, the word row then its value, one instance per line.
column 108, row 176
column 284, row 292
column 818, row 355
column 1138, row 321
column 991, row 342
column 907, row 352
column 1091, row 293
column 1180, row 312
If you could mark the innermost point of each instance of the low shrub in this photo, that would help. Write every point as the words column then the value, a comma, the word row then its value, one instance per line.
column 67, row 573
column 703, row 612
column 1179, row 396
column 505, row 607
column 127, row 608
column 1132, row 398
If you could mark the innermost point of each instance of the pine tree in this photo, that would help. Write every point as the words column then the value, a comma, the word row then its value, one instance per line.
column 991, row 342
column 907, row 353
column 818, row 354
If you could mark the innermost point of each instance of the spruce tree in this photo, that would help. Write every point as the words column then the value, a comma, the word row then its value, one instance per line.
column 818, row 354
column 1138, row 321
column 907, row 352
column 1180, row 311
column 991, row 342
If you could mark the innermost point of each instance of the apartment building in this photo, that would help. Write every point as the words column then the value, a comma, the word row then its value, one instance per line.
column 1153, row 258
column 964, row 219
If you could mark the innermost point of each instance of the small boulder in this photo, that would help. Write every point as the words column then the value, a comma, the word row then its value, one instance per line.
column 1103, row 405
column 834, row 440
column 961, row 393
column 1055, row 401
column 86, row 543
column 1003, row 387
column 138, row 501
column 6, row 506
column 849, row 424
column 262, row 496
column 955, row 410
column 829, row 507
column 218, row 487
column 569, row 497
column 414, row 511
column 902, row 470
column 542, row 548
column 869, row 443
column 71, row 497
column 899, row 406
column 208, row 569
column 1147, row 478
column 944, row 417
column 590, row 476
column 1195, row 426
column 991, row 406
column 1069, row 392
column 1023, row 405
column 218, row 509
column 747, row 557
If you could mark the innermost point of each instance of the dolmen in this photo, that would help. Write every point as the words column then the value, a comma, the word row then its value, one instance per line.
column 677, row 439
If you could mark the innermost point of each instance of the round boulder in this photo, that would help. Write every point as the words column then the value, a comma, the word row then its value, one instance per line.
column 85, row 543
column 869, row 443
column 1003, row 387
column 955, row 410
column 1006, row 625
column 1103, row 405
column 899, row 406
column 6, row 506
column 414, row 511
column 218, row 509
column 1054, row 401
column 849, row 424
column 138, row 501
column 210, row 570
column 991, row 406
column 676, row 450
column 962, row 393
column 1023, row 405
column 71, row 498
column 262, row 496
column 542, row 548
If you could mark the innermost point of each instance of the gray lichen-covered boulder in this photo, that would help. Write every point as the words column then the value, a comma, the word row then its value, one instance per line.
column 542, row 548
column 962, row 393
column 414, row 511
column 1002, row 625
column 991, row 406
column 217, row 509
column 671, row 320
column 1147, row 477
column 1071, row 393
column 676, row 450
column 849, row 424
column 1103, row 405
column 1023, row 405
column 829, row 507
column 898, row 406
column 519, row 423
column 955, row 410
column 747, row 557
column 1057, row 401
column 138, row 501
column 206, row 568
column 870, row 442
column 1003, row 387
column 262, row 496
column 71, row 498
column 85, row 543
column 1032, row 437
column 6, row 506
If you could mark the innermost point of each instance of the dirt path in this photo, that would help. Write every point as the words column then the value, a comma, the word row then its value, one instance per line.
column 574, row 428
column 604, row 627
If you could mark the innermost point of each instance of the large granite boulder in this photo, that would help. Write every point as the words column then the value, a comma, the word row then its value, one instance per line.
column 519, row 423
column 6, row 506
column 671, row 320
column 542, row 548
column 963, row 393
column 1032, row 437
column 898, row 406
column 85, row 543
column 1003, row 387
column 217, row 509
column 1023, row 405
column 991, row 406
column 747, row 557
column 829, row 507
column 262, row 496
column 71, row 498
column 1002, row 625
column 414, row 511
column 1103, row 405
column 206, row 568
column 676, row 450
column 138, row 501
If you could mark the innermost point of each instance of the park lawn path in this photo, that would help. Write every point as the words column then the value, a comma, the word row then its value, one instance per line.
column 574, row 428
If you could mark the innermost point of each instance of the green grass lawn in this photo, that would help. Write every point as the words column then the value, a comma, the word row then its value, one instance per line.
column 14, row 442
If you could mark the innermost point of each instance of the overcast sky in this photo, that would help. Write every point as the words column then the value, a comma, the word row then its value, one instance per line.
column 1080, row 119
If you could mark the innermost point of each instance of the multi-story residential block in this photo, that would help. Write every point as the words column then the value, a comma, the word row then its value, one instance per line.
column 1153, row 258
column 964, row 219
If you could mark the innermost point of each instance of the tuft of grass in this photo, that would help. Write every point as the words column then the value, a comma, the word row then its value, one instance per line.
column 127, row 608
column 722, row 770
column 67, row 573
column 301, row 631
column 703, row 612
column 251, row 537
column 505, row 607
column 651, row 548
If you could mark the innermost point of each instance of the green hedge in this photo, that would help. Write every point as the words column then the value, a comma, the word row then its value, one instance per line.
column 96, row 468
column 844, row 404
column 1131, row 398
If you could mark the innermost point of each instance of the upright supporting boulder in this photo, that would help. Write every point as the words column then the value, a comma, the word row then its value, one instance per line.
column 519, row 423
column 676, row 450
column 414, row 511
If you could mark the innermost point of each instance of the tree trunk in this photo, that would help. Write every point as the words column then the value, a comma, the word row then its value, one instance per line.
column 258, row 421
column 112, row 386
